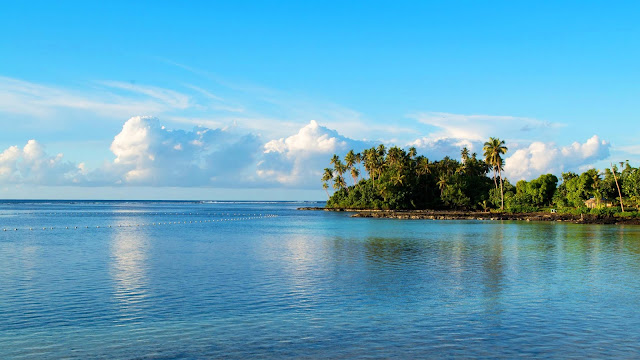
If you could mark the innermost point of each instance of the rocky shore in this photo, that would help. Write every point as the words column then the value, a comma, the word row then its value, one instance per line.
column 478, row 215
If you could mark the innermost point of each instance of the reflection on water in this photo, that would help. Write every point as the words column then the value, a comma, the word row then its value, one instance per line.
column 301, row 261
column 129, row 271
column 318, row 285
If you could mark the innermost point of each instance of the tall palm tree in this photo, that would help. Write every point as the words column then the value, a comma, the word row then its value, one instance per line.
column 369, row 159
column 493, row 151
column 359, row 159
column 442, row 184
column 354, row 174
column 339, row 183
column 380, row 162
column 424, row 166
column 350, row 161
column 334, row 159
column 339, row 169
column 382, row 150
column 325, row 186
column 326, row 176
column 617, row 184
column 465, row 154
column 595, row 177
column 393, row 156
column 412, row 152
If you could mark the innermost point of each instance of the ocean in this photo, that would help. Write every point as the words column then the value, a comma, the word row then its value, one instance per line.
column 206, row 279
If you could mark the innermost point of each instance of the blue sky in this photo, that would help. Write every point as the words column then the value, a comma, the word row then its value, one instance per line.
column 247, row 100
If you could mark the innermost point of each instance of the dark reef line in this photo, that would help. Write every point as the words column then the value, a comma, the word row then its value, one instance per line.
column 479, row 215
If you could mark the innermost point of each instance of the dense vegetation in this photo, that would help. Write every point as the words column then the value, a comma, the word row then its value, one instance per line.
column 399, row 179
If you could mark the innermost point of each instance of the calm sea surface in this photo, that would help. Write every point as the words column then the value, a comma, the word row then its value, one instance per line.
column 262, row 280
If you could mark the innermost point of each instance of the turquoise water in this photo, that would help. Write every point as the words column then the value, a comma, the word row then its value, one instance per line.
column 262, row 280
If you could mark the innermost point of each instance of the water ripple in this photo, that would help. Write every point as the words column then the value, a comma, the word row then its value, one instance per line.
column 312, row 285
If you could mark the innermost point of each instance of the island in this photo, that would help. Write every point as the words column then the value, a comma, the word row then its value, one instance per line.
column 398, row 183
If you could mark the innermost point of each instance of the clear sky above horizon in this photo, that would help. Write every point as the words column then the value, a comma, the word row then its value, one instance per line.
column 248, row 100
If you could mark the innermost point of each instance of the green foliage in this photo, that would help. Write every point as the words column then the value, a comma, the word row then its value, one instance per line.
column 575, row 190
column 397, row 179
column 631, row 185
column 628, row 214
column 537, row 192
column 574, row 211
column 604, row 211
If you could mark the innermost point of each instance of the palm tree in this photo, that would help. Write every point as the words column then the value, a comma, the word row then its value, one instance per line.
column 465, row 154
column 493, row 149
column 380, row 159
column 424, row 166
column 442, row 184
column 394, row 156
column 618, row 185
column 595, row 177
column 325, row 186
column 334, row 159
column 339, row 169
column 339, row 183
column 370, row 160
column 412, row 152
column 350, row 161
column 326, row 176
column 355, row 173
column 382, row 150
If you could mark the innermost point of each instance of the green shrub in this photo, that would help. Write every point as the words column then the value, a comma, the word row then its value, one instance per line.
column 605, row 211
column 521, row 208
column 628, row 214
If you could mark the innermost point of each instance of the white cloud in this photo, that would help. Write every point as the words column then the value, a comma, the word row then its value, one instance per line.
column 541, row 158
column 299, row 159
column 32, row 165
column 147, row 153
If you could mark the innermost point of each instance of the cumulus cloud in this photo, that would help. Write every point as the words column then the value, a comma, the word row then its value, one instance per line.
column 32, row 165
column 541, row 158
column 147, row 153
column 299, row 159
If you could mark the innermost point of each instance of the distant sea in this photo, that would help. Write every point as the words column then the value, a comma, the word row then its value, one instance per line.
column 218, row 279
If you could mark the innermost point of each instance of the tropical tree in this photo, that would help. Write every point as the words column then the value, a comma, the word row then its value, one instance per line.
column 350, row 161
column 493, row 151
column 354, row 174
column 618, row 185
column 326, row 176
column 325, row 186
column 423, row 166
column 442, row 183
column 339, row 183
column 339, row 170
column 464, row 154
column 334, row 159
column 412, row 152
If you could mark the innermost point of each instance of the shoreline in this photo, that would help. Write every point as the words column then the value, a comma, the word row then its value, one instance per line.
column 479, row 215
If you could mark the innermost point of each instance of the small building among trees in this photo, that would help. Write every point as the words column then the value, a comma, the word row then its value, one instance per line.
column 594, row 203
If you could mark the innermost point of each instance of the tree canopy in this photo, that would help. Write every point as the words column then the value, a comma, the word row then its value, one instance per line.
column 394, row 178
